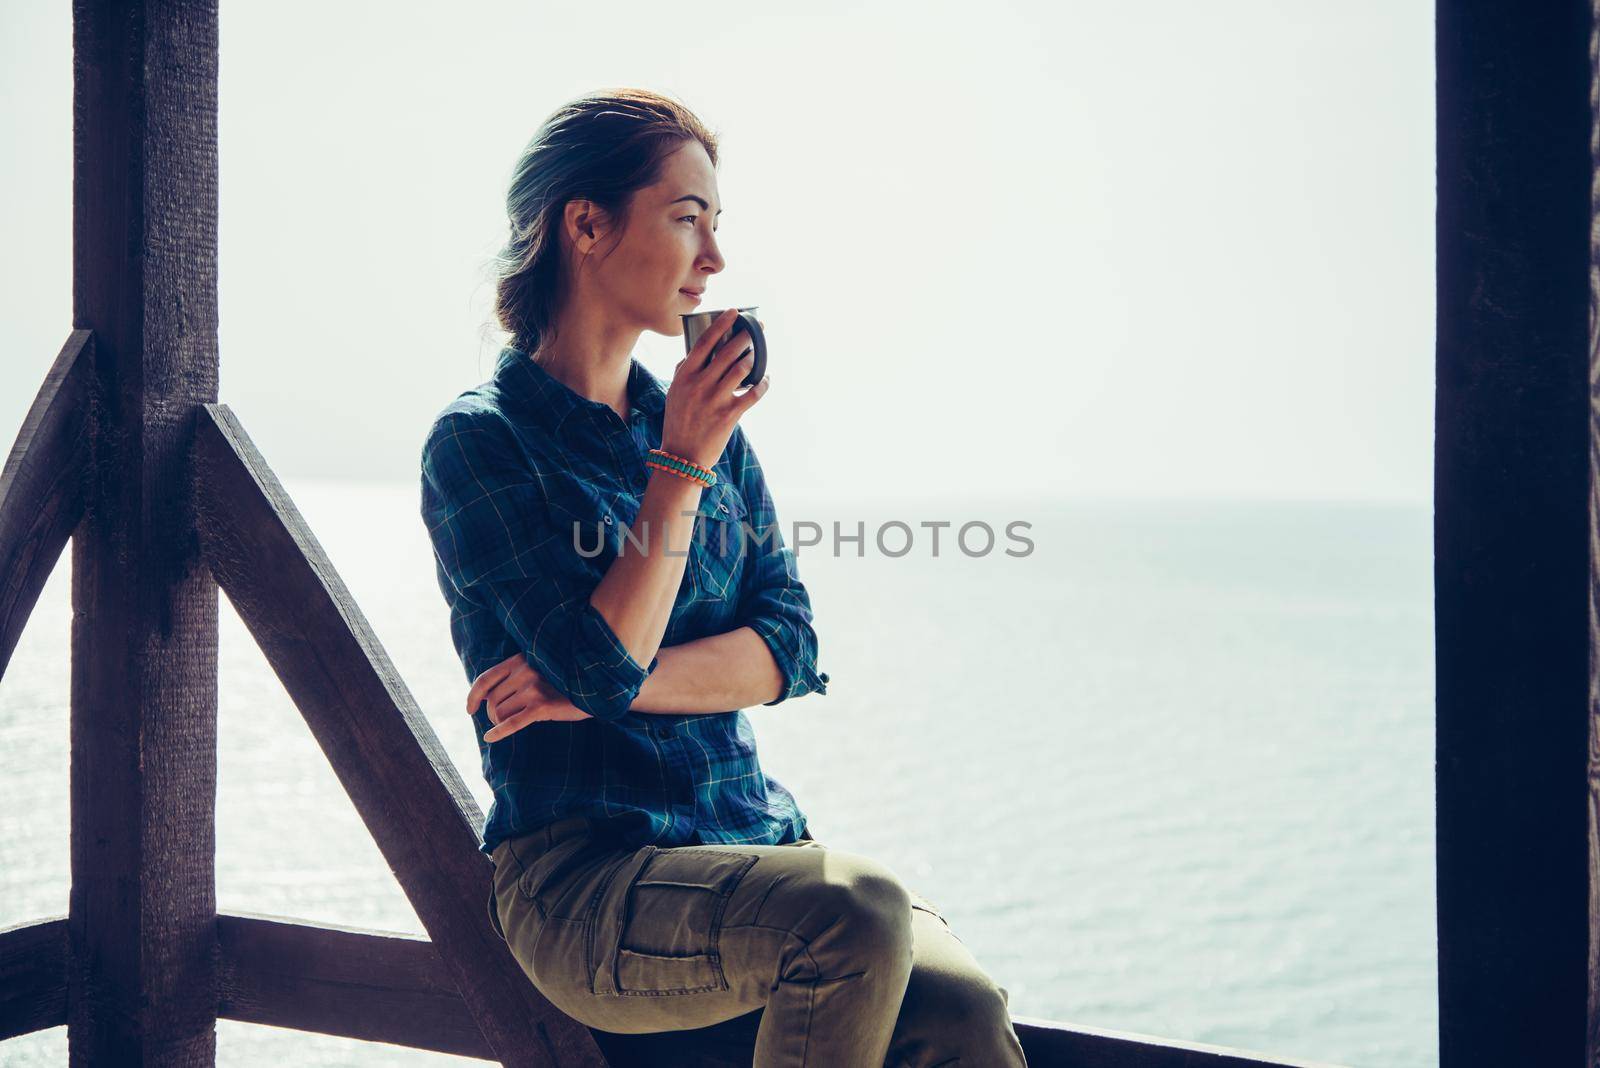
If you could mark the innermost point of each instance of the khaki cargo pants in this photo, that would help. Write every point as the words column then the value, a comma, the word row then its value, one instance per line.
column 850, row 966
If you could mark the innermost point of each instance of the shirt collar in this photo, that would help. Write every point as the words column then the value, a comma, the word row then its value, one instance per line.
column 551, row 401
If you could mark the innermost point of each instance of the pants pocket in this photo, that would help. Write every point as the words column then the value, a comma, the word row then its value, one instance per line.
column 544, row 878
column 668, row 940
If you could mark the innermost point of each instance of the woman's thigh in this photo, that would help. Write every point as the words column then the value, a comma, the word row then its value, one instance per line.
column 657, row 939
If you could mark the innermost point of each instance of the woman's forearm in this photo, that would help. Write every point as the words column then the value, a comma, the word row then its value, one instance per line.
column 637, row 591
column 717, row 673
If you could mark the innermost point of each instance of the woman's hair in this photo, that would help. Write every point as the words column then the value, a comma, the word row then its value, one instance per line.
column 604, row 147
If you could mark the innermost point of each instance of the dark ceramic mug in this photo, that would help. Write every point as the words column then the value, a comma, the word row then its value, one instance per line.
column 697, row 323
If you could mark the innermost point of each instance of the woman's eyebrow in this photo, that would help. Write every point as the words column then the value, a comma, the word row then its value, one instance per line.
column 697, row 200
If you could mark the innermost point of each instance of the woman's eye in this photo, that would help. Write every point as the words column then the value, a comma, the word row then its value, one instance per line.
column 688, row 218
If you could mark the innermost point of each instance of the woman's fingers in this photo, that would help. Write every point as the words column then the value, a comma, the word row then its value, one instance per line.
column 699, row 353
column 481, row 684
column 524, row 686
column 743, row 348
column 511, row 725
column 734, row 373
column 730, row 352
column 516, row 680
column 509, row 687
column 524, row 699
column 562, row 711
column 753, row 394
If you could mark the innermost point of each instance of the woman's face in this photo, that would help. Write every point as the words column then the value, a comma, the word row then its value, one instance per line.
column 669, row 244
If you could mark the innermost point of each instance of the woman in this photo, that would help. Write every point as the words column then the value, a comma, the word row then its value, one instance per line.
column 618, row 591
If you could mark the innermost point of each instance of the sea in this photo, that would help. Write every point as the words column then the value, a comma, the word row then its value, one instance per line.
column 1166, row 766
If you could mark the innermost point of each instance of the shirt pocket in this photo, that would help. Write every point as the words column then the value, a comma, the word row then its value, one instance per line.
column 716, row 555
column 586, row 524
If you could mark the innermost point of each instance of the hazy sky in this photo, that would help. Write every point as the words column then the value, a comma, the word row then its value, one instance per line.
column 1135, row 250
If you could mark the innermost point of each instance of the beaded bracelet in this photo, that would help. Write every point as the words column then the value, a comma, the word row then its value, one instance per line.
column 681, row 467
column 704, row 471
column 668, row 466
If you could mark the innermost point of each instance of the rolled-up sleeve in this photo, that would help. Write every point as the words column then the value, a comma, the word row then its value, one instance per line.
column 772, row 600
column 493, row 538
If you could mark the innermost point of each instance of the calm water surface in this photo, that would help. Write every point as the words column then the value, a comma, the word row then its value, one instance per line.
column 1170, row 773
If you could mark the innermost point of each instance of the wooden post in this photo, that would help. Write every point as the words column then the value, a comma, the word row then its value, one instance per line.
column 1512, row 534
column 142, row 973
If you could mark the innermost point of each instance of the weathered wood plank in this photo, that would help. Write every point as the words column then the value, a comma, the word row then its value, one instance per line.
column 33, row 976
column 372, row 985
column 41, row 487
column 1047, row 1042
column 379, row 986
column 1592, row 813
column 142, row 910
column 1512, row 529
column 381, row 746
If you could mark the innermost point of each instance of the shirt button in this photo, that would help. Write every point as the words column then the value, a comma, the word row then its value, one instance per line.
column 722, row 508
column 608, row 518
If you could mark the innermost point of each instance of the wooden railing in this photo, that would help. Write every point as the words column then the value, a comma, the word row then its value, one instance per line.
column 458, row 990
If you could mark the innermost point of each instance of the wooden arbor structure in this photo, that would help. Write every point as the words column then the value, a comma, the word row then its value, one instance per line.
column 126, row 452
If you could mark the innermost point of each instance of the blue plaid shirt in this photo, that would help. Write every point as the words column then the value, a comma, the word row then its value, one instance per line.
column 523, row 479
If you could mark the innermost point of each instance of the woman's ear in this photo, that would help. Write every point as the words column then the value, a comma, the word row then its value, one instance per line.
column 583, row 222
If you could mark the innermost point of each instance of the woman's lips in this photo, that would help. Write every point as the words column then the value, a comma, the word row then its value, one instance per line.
column 692, row 296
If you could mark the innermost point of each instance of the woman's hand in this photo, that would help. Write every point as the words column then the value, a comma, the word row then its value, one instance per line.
column 701, row 409
column 518, row 696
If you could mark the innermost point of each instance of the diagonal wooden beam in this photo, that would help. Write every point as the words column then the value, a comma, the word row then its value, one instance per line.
column 380, row 745
column 33, row 976
column 41, row 487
